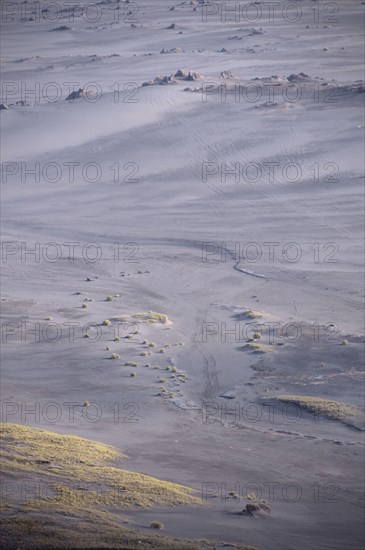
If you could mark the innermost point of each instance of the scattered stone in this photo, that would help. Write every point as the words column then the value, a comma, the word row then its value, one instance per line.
column 191, row 76
column 266, row 105
column 253, row 31
column 160, row 81
column 226, row 74
column 172, row 50
column 172, row 26
column 171, row 79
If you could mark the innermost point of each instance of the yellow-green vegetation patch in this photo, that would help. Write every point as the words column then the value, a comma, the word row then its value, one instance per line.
column 66, row 461
column 27, row 445
column 258, row 348
column 144, row 317
column 42, row 533
column 156, row 525
column 335, row 410
column 254, row 314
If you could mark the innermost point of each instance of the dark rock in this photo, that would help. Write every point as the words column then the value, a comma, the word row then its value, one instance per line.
column 226, row 74
column 81, row 92
column 298, row 77
column 61, row 28
column 228, row 395
column 256, row 506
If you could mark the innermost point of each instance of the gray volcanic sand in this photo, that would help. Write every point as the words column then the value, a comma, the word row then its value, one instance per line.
column 168, row 214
